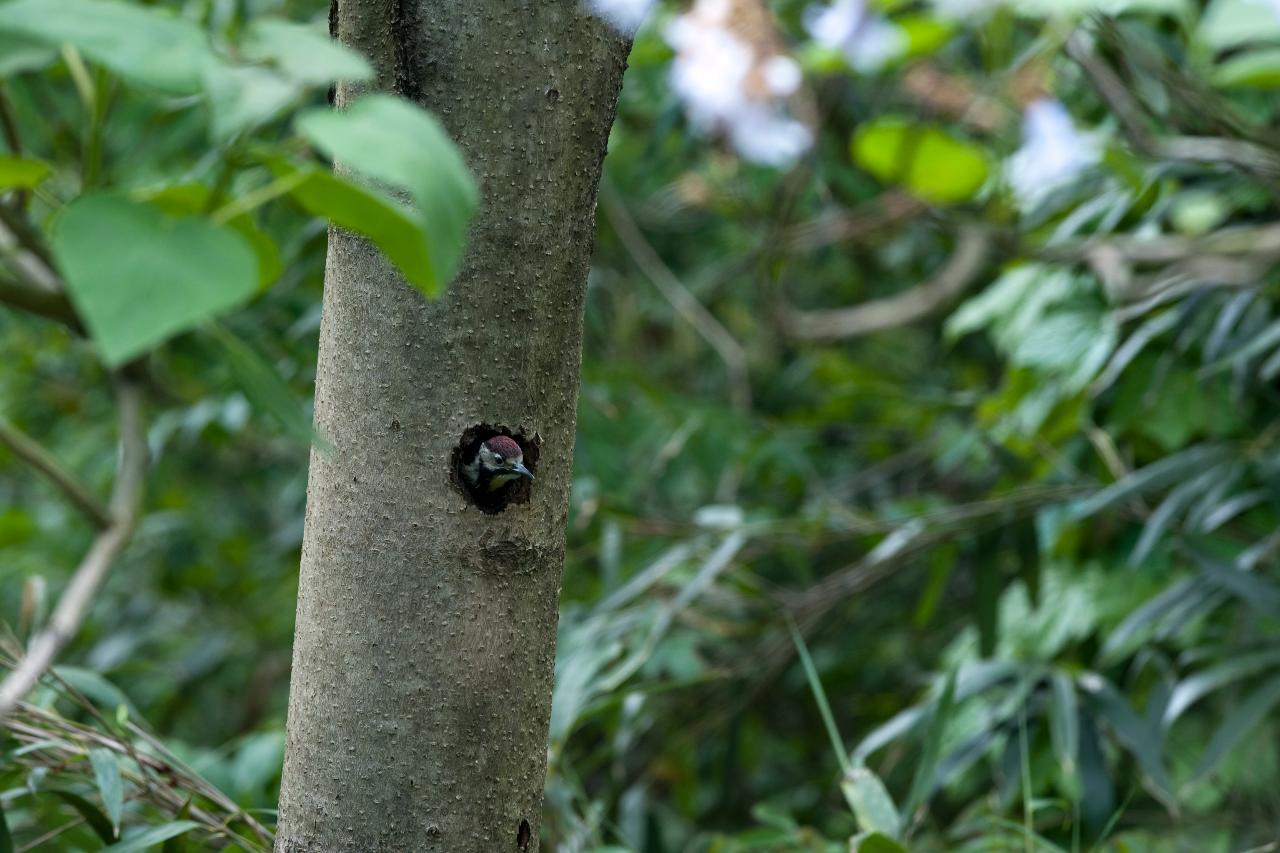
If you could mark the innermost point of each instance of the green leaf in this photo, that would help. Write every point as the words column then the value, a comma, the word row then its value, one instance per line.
column 1182, row 599
column 241, row 99
column 1245, row 716
column 96, row 688
column 22, row 173
column 1168, row 470
column 303, row 52
column 257, row 762
column 151, row 837
column 922, row 784
column 924, row 34
column 175, row 844
column 1230, row 23
column 392, row 227
column 1072, row 343
column 6, row 840
column 138, row 277
column 1251, row 589
column 870, row 802
column 820, row 698
column 1191, row 689
column 931, row 163
column 1064, row 722
column 1259, row 343
column 264, row 388
column 193, row 199
column 146, row 44
column 106, row 772
column 396, row 143
column 879, row 843
column 1141, row 738
column 92, row 815
column 18, row 55
column 1173, row 506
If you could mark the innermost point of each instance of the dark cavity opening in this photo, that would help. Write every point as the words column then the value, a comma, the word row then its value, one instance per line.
column 516, row 492
column 523, row 835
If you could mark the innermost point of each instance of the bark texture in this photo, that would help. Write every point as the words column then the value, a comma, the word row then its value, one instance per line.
column 425, row 642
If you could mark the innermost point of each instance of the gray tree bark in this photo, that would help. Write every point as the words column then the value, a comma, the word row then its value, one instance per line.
column 425, row 641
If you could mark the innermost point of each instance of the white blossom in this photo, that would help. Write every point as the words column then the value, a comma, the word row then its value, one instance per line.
column 626, row 16
column 729, row 87
column 868, row 41
column 782, row 75
column 709, row 71
column 1053, row 152
column 768, row 136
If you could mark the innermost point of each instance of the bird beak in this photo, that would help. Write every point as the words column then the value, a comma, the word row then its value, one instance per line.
column 523, row 471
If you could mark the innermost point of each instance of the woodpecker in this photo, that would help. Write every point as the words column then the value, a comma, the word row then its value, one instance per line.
column 497, row 462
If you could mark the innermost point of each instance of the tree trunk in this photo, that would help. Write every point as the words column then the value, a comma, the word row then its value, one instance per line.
column 425, row 643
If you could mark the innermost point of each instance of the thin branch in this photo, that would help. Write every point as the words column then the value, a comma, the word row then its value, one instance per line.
column 1234, row 257
column 30, row 451
column 957, row 275
column 9, row 125
column 684, row 302
column 38, row 289
column 860, row 222
column 43, row 303
column 33, row 270
column 126, row 498
column 1246, row 156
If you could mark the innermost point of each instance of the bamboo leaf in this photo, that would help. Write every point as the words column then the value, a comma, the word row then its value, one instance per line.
column 106, row 772
column 1142, row 740
column 1190, row 690
column 92, row 815
column 820, row 698
column 1064, row 722
column 870, row 802
column 926, row 770
column 1157, row 475
column 149, row 838
column 1242, row 720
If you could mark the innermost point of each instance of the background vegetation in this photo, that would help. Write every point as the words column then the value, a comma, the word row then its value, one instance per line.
column 926, row 487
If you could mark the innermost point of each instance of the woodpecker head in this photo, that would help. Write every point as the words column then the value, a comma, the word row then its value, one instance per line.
column 497, row 462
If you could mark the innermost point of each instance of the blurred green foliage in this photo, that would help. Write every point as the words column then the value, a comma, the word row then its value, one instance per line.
column 999, row 575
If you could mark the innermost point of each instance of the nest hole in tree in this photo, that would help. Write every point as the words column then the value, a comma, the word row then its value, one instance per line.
column 523, row 836
column 516, row 492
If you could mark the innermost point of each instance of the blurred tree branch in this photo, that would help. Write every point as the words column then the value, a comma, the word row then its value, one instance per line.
column 161, row 778
column 684, row 302
column 869, row 218
column 35, row 286
column 958, row 274
column 30, row 451
column 1233, row 257
column 126, row 498
column 1242, row 154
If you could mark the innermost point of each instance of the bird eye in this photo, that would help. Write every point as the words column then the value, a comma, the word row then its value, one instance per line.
column 497, row 457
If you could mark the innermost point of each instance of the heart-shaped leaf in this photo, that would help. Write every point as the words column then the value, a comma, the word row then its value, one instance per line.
column 303, row 52
column 138, row 277
column 394, row 142
column 393, row 227
column 148, row 45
